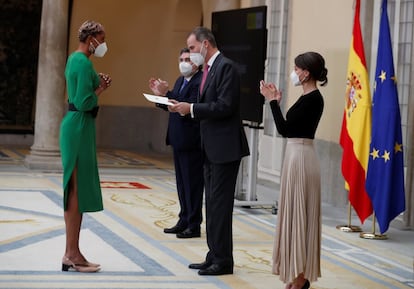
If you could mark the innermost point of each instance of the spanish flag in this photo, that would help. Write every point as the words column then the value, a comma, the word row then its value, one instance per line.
column 356, row 124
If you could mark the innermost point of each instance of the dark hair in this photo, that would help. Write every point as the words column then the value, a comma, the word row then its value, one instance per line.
column 315, row 64
column 184, row 50
column 203, row 33
column 89, row 27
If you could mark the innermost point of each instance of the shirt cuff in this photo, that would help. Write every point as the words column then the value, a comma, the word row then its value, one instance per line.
column 191, row 110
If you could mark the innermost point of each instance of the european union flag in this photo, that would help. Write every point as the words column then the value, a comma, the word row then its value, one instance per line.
column 385, row 175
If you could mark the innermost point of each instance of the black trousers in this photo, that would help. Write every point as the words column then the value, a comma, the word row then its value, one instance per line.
column 190, row 185
column 220, row 183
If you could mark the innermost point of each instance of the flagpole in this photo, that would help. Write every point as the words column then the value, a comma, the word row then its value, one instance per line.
column 373, row 235
column 349, row 228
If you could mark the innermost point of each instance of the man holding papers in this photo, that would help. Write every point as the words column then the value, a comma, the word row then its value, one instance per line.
column 224, row 143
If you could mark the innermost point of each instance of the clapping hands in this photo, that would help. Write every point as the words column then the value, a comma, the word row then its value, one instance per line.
column 105, row 81
column 270, row 91
column 158, row 86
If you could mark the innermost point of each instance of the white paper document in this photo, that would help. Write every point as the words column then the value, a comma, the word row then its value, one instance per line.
column 157, row 99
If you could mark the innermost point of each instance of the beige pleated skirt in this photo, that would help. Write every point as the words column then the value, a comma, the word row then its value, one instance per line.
column 297, row 247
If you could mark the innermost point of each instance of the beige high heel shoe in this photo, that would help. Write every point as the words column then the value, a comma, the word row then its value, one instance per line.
column 68, row 265
column 89, row 264
column 92, row 264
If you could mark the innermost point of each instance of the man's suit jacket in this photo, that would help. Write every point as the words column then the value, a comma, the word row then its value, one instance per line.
column 184, row 132
column 218, row 109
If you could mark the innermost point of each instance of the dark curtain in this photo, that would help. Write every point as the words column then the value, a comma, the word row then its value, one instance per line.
column 19, row 47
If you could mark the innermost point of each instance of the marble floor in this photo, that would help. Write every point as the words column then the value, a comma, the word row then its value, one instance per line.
column 127, row 238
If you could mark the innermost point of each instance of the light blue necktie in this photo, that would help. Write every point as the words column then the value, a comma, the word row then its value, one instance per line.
column 183, row 85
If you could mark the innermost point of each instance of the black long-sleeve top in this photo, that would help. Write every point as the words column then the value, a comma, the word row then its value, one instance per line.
column 302, row 118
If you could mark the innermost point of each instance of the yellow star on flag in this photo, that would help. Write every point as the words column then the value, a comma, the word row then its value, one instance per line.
column 374, row 153
column 398, row 147
column 394, row 78
column 383, row 76
column 386, row 156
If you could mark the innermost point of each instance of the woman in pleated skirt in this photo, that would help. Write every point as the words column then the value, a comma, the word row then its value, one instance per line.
column 297, row 246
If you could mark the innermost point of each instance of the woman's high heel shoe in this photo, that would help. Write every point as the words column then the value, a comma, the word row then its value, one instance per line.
column 89, row 264
column 68, row 265
column 92, row 264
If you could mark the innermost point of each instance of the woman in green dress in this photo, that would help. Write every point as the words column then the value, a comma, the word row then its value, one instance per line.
column 82, row 191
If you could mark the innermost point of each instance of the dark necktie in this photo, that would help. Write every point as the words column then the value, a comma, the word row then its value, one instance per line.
column 185, row 81
column 203, row 79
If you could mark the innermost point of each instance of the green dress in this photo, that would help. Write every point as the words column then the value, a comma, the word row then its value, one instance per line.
column 78, row 134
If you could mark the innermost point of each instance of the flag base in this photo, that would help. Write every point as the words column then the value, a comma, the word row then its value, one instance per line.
column 349, row 228
column 373, row 236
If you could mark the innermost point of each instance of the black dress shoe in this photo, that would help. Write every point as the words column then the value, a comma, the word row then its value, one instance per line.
column 188, row 233
column 306, row 285
column 174, row 230
column 199, row 266
column 216, row 269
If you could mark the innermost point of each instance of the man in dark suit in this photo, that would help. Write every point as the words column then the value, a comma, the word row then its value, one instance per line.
column 183, row 134
column 224, row 144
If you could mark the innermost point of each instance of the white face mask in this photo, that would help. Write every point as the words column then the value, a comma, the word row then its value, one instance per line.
column 294, row 77
column 185, row 68
column 101, row 49
column 198, row 58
